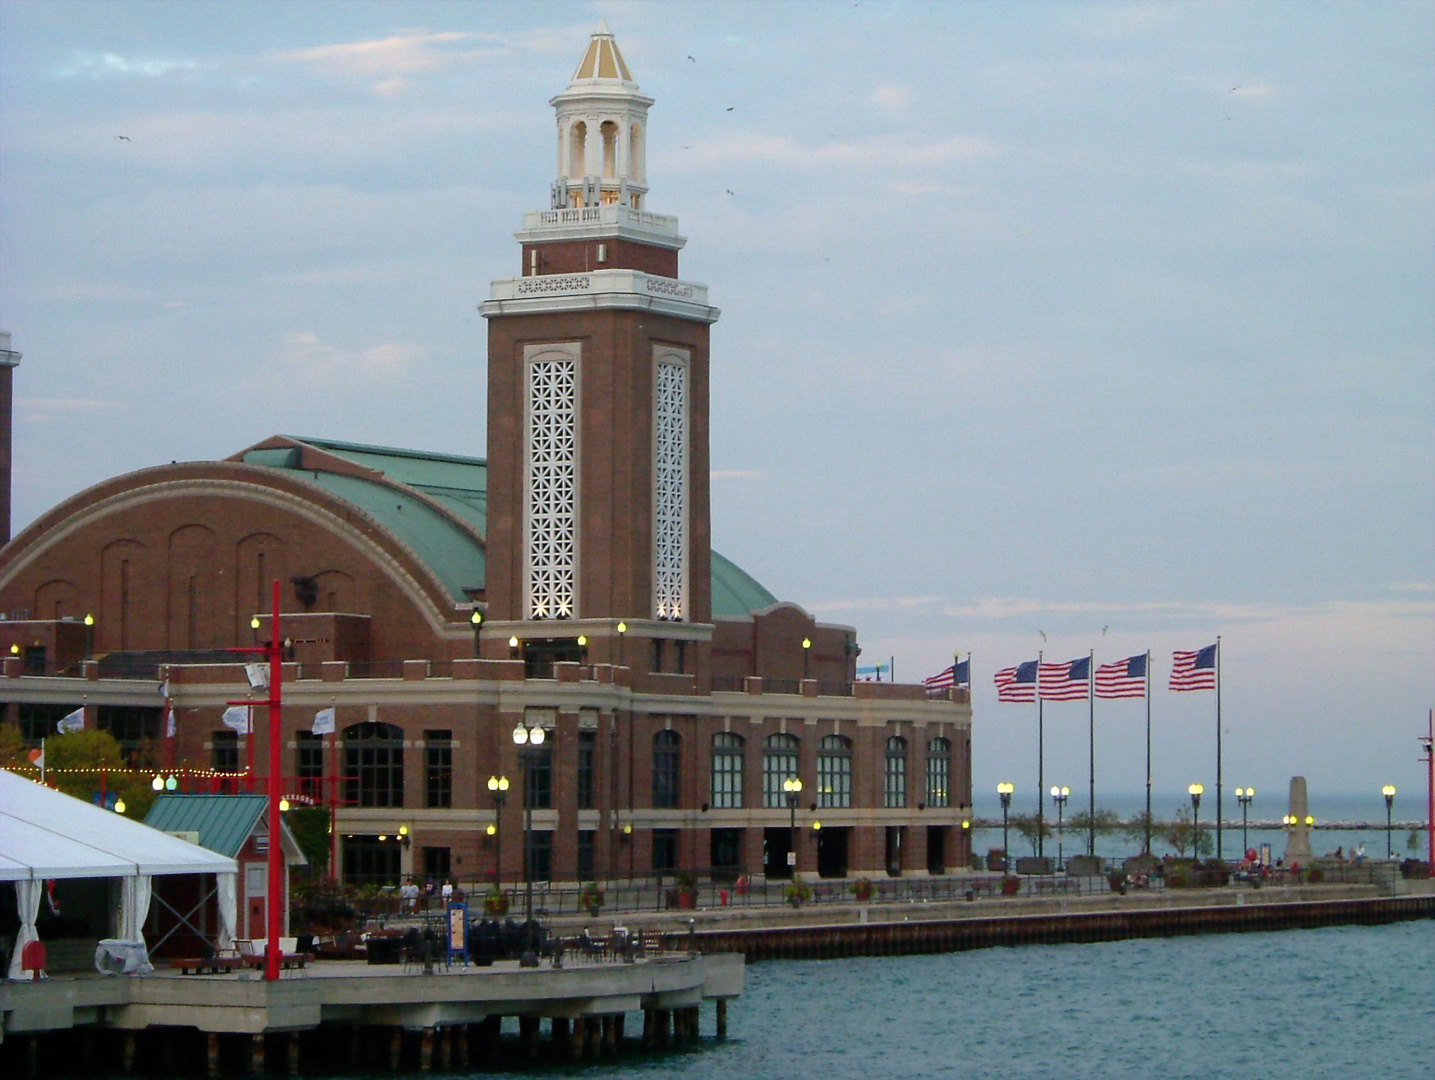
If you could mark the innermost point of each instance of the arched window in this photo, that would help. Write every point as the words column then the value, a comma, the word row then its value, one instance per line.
column 666, row 745
column 610, row 149
column 727, row 771
column 895, row 786
column 779, row 763
column 834, row 772
column 374, row 764
column 578, row 150
column 939, row 773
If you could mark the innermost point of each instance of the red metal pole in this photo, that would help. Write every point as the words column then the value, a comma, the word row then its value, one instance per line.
column 276, row 824
column 1430, row 794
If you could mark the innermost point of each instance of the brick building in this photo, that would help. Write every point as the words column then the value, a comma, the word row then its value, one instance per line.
column 565, row 583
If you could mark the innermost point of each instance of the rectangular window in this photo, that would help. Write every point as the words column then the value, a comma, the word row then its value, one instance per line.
column 779, row 763
column 540, row 854
column 438, row 768
column 726, row 791
column 587, row 749
column 665, row 770
column 225, row 756
column 538, row 792
column 665, row 850
column 135, row 727
column 437, row 863
column 586, row 852
column 309, row 763
column 939, row 770
column 38, row 721
column 895, row 782
column 834, row 774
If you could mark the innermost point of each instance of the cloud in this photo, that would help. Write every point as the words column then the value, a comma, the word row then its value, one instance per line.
column 891, row 98
column 38, row 410
column 110, row 65
column 734, row 474
column 887, row 152
column 402, row 53
column 309, row 359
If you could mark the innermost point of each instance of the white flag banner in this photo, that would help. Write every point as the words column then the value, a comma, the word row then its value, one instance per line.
column 164, row 689
column 324, row 722
column 237, row 717
column 74, row 722
column 258, row 675
column 169, row 723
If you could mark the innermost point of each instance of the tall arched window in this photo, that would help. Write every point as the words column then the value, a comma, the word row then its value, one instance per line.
column 727, row 772
column 895, row 787
column 666, row 759
column 610, row 149
column 374, row 764
column 779, row 763
column 834, row 772
column 577, row 150
column 939, row 772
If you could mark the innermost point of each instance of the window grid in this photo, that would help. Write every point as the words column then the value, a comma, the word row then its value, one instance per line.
column 587, row 787
column 779, row 763
column 665, row 770
column 309, row 763
column 726, row 791
column 374, row 765
column 438, row 769
column 939, row 773
column 670, row 494
column 834, row 773
column 895, row 786
column 552, row 518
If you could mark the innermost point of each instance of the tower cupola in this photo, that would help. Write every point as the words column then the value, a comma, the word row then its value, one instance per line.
column 602, row 132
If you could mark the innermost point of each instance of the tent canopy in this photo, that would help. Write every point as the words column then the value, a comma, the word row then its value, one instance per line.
column 46, row 834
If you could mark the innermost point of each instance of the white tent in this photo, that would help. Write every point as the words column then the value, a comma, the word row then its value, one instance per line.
column 46, row 834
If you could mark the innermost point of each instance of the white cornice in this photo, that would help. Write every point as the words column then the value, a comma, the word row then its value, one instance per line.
column 599, row 290
column 599, row 223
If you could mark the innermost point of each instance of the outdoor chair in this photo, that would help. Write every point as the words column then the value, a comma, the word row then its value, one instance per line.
column 34, row 958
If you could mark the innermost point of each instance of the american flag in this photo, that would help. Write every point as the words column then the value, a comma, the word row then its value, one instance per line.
column 1194, row 670
column 958, row 674
column 1017, row 683
column 1070, row 681
column 1124, row 678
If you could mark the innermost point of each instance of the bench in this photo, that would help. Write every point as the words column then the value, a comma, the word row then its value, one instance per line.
column 205, row 965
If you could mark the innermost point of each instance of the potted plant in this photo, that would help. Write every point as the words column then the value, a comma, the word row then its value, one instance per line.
column 1011, row 885
column 591, row 898
column 495, row 902
column 797, row 893
column 1117, row 880
column 862, row 889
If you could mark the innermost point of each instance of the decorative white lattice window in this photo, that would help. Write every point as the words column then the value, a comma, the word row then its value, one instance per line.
column 551, row 495
column 670, row 486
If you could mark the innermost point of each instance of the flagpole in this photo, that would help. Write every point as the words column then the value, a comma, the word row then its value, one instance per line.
column 1091, row 747
column 1218, row 747
column 1148, row 752
column 1040, row 761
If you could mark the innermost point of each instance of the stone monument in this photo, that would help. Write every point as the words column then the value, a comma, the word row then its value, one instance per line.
column 1298, row 825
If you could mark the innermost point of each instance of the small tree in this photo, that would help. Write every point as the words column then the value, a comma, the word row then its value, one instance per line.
column 310, row 826
column 1030, row 828
column 1139, row 828
column 1182, row 834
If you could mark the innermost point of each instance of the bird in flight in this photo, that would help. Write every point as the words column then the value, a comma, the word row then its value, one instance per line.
column 729, row 108
column 126, row 138
column 691, row 58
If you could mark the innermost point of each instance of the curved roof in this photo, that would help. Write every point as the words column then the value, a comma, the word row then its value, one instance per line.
column 437, row 504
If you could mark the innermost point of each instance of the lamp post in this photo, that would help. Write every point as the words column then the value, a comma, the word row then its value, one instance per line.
column 1004, row 791
column 806, row 658
column 1244, row 795
column 1059, row 795
column 1196, row 790
column 529, row 741
column 498, row 788
column 1389, row 792
column 476, row 621
column 793, row 787
column 89, row 636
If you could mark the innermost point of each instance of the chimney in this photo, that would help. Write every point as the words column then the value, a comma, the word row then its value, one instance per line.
column 8, row 360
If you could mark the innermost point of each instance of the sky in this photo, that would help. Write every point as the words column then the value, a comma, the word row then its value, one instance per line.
column 1045, row 326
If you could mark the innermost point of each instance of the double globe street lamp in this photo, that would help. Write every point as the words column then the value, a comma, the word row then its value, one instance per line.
column 498, row 788
column 792, row 787
column 1196, row 791
column 1244, row 795
column 530, row 747
column 1059, row 795
column 1004, row 792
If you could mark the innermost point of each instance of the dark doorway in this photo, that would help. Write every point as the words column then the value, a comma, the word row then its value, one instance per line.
column 896, row 834
column 832, row 847
column 937, row 849
column 776, row 843
column 725, row 854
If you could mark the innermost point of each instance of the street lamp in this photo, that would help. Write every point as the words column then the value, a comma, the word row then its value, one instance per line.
column 529, row 741
column 806, row 657
column 793, row 787
column 476, row 621
column 1244, row 795
column 1004, row 790
column 1059, row 795
column 498, row 788
column 1389, row 792
column 1196, row 790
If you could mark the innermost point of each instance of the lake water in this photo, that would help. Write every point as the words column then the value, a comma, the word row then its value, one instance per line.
column 1335, row 1002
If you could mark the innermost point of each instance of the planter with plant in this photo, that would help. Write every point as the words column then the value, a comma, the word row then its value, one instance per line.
column 862, row 889
column 591, row 898
column 1011, row 885
column 495, row 902
column 798, row 893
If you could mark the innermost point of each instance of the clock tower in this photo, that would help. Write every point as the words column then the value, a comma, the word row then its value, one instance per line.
column 598, row 511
